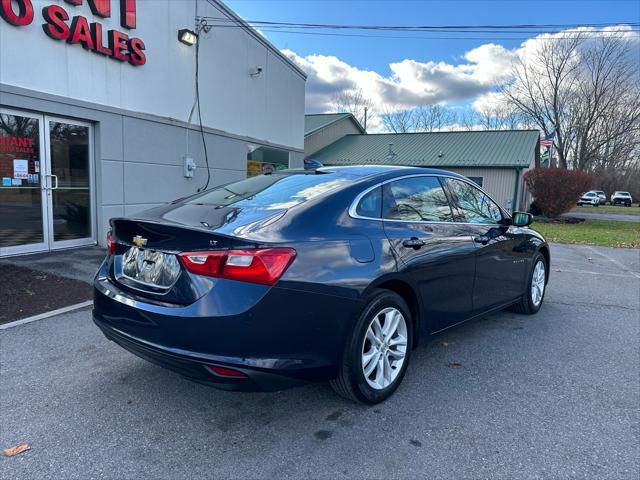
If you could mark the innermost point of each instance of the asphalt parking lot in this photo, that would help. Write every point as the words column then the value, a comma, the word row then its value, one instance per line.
column 556, row 395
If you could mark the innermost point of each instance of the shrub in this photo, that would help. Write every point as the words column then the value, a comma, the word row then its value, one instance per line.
column 557, row 190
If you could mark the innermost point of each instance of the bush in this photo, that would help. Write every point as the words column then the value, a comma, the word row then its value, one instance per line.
column 557, row 190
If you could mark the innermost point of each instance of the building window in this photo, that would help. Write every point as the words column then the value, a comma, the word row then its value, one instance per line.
column 266, row 160
column 477, row 180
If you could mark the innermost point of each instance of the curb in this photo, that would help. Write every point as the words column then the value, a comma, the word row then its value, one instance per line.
column 42, row 316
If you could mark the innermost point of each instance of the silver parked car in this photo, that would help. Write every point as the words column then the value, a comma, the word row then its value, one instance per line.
column 602, row 196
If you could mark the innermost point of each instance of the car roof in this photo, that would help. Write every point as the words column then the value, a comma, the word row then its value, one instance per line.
column 384, row 171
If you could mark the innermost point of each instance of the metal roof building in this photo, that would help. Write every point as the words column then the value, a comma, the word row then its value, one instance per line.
column 323, row 129
column 494, row 159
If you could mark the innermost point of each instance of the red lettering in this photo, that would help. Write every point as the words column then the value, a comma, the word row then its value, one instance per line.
column 102, row 8
column 118, row 44
column 128, row 13
column 136, row 50
column 81, row 33
column 24, row 15
column 96, row 33
column 55, row 27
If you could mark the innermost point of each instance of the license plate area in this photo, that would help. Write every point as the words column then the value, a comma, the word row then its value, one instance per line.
column 147, row 269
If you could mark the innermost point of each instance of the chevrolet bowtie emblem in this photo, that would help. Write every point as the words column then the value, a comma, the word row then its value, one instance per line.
column 139, row 241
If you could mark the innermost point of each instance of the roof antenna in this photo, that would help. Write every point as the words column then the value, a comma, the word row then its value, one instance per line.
column 391, row 155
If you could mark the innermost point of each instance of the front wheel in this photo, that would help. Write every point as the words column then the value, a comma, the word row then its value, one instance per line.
column 532, row 299
column 376, row 355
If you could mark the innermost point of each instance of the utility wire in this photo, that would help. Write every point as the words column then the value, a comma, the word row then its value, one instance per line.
column 361, row 35
column 424, row 27
column 204, row 142
column 305, row 29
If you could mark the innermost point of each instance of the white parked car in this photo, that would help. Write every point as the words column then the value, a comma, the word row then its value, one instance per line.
column 589, row 198
column 622, row 198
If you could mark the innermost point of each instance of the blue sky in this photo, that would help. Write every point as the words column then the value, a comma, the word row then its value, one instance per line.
column 403, row 73
column 377, row 53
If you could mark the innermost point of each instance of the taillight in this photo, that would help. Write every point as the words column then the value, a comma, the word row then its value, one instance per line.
column 111, row 243
column 264, row 265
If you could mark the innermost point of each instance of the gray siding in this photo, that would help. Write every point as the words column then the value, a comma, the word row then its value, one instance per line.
column 325, row 136
column 139, row 158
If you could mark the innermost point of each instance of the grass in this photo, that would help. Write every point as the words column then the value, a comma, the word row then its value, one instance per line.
column 609, row 233
column 632, row 210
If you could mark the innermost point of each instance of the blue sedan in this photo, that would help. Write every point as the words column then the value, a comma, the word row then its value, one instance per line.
column 331, row 274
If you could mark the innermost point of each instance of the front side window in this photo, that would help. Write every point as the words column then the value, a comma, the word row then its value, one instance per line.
column 474, row 204
column 416, row 199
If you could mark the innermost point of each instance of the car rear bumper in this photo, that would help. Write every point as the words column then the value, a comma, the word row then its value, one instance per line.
column 195, row 368
column 278, row 338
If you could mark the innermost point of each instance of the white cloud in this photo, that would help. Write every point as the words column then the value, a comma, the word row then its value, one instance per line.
column 412, row 83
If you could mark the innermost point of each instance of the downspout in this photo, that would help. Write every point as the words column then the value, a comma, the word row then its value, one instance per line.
column 516, row 188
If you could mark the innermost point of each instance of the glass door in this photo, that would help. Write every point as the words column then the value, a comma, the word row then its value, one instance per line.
column 69, row 182
column 23, row 207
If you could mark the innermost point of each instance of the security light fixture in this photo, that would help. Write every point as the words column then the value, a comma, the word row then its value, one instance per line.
column 188, row 37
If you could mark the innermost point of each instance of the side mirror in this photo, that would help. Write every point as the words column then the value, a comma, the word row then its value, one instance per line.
column 521, row 219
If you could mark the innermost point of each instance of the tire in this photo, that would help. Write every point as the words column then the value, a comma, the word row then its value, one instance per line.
column 351, row 382
column 527, row 304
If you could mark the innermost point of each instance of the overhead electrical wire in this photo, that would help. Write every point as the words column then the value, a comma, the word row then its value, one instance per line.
column 304, row 29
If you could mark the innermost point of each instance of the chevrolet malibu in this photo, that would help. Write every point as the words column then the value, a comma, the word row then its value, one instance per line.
column 331, row 274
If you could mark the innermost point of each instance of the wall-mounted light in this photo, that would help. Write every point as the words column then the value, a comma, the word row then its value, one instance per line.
column 257, row 72
column 188, row 37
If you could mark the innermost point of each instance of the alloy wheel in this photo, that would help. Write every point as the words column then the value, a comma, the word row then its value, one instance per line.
column 538, row 283
column 384, row 348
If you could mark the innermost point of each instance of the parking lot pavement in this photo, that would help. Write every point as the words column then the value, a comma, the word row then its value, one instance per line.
column 554, row 395
column 76, row 263
column 595, row 215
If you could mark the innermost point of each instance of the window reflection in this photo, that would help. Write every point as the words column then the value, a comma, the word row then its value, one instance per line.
column 475, row 205
column 20, row 190
column 69, row 150
column 416, row 199
column 271, row 191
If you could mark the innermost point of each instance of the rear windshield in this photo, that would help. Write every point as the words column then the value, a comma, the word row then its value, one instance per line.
column 271, row 191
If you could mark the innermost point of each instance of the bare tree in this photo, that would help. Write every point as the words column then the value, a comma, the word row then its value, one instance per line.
column 401, row 121
column 354, row 102
column 494, row 117
column 431, row 118
column 585, row 89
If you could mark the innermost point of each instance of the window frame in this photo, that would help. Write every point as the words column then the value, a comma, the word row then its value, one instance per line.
column 453, row 204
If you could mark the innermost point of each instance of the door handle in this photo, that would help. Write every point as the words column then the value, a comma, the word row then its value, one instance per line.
column 414, row 242
column 483, row 239
column 55, row 177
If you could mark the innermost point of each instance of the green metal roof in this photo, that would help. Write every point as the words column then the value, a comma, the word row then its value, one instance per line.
column 494, row 148
column 315, row 122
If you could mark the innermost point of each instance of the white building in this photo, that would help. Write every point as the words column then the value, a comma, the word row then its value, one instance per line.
column 99, row 115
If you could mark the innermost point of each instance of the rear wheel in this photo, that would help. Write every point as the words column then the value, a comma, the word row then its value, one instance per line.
column 377, row 353
column 532, row 299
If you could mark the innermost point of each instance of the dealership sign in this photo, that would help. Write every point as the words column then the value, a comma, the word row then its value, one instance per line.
column 59, row 25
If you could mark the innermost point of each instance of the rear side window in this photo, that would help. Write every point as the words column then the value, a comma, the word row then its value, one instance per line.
column 370, row 205
column 416, row 199
column 476, row 206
